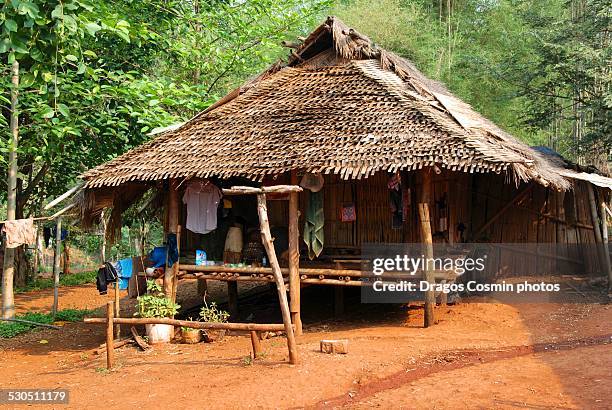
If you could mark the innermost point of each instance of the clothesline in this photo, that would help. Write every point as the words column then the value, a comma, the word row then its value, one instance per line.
column 54, row 216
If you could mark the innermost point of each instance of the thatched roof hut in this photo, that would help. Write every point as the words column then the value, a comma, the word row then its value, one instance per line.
column 340, row 105
column 376, row 128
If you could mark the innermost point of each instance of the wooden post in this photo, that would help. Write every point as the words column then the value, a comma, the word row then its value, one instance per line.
column 338, row 301
column 56, row 264
column 175, row 267
column 294, row 258
column 117, row 309
column 256, row 344
column 202, row 287
column 266, row 237
column 604, row 254
column 8, row 271
column 173, row 221
column 427, row 241
column 604, row 232
column 232, row 298
column 110, row 348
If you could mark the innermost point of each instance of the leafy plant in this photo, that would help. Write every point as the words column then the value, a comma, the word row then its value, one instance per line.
column 213, row 314
column 155, row 303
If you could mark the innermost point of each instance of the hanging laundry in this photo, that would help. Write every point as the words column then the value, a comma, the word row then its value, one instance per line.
column 19, row 232
column 313, row 225
column 202, row 199
column 395, row 200
column 106, row 274
column 47, row 236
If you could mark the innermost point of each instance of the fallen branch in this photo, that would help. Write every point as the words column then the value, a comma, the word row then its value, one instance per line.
column 29, row 322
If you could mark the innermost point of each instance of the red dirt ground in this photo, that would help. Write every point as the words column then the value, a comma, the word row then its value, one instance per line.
column 544, row 356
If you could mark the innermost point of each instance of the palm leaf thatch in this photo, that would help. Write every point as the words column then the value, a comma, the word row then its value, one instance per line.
column 341, row 105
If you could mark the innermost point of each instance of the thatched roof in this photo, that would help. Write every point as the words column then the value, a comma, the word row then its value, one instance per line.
column 339, row 105
column 572, row 170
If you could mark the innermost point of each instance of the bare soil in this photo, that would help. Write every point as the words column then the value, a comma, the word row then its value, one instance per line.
column 478, row 355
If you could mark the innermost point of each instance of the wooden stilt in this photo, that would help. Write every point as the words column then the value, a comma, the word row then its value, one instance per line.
column 202, row 287
column 604, row 233
column 266, row 237
column 294, row 259
column 175, row 267
column 604, row 255
column 427, row 241
column 117, row 309
column 338, row 301
column 110, row 349
column 255, row 343
column 173, row 221
column 232, row 298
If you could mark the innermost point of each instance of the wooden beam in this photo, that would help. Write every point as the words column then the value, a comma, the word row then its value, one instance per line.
column 264, row 327
column 266, row 238
column 294, row 258
column 65, row 195
column 249, row 190
column 427, row 241
column 519, row 196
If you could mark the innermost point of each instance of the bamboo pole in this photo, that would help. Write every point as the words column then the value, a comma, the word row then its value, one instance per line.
column 110, row 349
column 263, row 327
column 248, row 190
column 56, row 264
column 8, row 272
column 256, row 344
column 427, row 240
column 604, row 255
column 294, row 258
column 604, row 232
column 173, row 218
column 117, row 309
column 266, row 238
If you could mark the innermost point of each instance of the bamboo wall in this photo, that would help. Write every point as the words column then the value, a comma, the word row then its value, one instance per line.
column 458, row 200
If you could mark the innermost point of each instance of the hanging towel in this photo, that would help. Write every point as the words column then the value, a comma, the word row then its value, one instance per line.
column 19, row 232
column 313, row 225
column 125, row 273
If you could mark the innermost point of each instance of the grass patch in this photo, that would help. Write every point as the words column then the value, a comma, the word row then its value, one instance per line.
column 73, row 279
column 12, row 329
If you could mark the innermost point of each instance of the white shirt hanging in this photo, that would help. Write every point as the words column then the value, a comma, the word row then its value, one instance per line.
column 202, row 199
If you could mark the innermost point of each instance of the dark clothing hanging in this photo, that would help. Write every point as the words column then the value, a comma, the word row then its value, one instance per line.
column 106, row 274
column 47, row 236
column 172, row 249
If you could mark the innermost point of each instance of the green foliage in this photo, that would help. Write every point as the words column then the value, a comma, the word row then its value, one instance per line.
column 213, row 314
column 74, row 279
column 155, row 303
column 97, row 77
column 12, row 329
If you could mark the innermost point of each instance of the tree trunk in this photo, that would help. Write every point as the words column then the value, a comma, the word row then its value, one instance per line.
column 8, row 299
